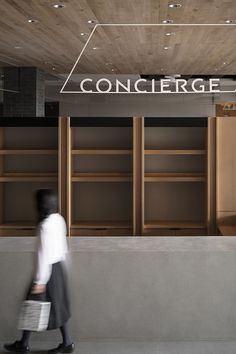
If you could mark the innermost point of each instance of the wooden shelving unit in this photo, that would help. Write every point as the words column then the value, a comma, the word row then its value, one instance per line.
column 100, row 175
column 28, row 160
column 174, row 175
column 114, row 176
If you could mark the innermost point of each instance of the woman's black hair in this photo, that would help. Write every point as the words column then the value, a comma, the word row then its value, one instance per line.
column 46, row 203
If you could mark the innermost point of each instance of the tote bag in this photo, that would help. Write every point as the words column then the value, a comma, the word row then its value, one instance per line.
column 34, row 314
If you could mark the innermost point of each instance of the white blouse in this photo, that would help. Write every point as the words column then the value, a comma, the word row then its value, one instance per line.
column 52, row 246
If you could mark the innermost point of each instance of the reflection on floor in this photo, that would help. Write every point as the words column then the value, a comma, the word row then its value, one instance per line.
column 110, row 347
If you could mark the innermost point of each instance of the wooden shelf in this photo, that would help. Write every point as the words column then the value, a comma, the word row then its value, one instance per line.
column 28, row 152
column 96, row 151
column 227, row 230
column 174, row 152
column 18, row 226
column 28, row 177
column 101, row 225
column 102, row 177
column 174, row 225
column 174, row 177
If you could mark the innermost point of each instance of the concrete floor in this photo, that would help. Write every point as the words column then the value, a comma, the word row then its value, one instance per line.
column 111, row 347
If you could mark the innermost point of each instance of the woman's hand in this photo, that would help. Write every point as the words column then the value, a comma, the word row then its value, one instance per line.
column 38, row 288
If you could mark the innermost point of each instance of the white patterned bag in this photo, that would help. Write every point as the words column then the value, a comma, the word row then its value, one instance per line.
column 34, row 315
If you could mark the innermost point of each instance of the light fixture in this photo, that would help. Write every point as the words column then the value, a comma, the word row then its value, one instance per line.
column 166, row 48
column 18, row 47
column 170, row 33
column 167, row 21
column 83, row 34
column 95, row 48
column 92, row 21
column 230, row 21
column 31, row 20
column 174, row 6
column 59, row 6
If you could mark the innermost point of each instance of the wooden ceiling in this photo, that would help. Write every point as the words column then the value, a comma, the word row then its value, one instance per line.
column 54, row 42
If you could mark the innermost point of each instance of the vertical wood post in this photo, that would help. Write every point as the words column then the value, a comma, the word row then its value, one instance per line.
column 138, row 176
column 211, row 176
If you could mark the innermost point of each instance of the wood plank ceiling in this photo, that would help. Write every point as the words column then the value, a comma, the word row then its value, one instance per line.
column 55, row 41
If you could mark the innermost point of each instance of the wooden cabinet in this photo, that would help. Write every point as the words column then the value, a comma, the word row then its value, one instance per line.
column 175, row 175
column 114, row 176
column 101, row 176
column 28, row 161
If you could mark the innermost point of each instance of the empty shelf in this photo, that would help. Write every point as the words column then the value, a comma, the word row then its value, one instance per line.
column 93, row 151
column 28, row 152
column 174, row 177
column 101, row 225
column 102, row 177
column 174, row 225
column 18, row 226
column 28, row 177
column 174, row 152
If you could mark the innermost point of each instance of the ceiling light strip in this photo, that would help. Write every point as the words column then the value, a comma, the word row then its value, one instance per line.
column 90, row 36
column 168, row 24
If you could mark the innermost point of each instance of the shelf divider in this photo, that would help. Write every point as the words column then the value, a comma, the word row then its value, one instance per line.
column 174, row 152
column 174, row 224
column 96, row 151
column 101, row 225
column 102, row 177
column 174, row 177
column 28, row 152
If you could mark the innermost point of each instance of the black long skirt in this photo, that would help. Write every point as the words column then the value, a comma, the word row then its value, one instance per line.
column 57, row 294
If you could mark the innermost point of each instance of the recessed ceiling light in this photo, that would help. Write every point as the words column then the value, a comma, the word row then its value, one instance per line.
column 170, row 33
column 95, row 48
column 230, row 21
column 174, row 6
column 31, row 20
column 166, row 48
column 59, row 6
column 92, row 21
column 83, row 34
column 167, row 21
column 53, row 68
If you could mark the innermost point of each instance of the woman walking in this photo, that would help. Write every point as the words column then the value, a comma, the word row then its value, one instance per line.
column 50, row 278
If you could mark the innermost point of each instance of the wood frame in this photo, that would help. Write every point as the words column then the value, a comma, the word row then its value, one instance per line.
column 211, row 176
column 138, row 176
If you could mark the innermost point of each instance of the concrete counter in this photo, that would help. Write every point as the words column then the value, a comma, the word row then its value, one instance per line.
column 127, row 288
